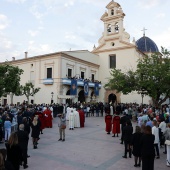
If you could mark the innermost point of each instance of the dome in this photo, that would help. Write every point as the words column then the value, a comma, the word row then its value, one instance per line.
column 145, row 45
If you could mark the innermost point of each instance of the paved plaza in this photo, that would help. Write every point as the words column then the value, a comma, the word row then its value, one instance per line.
column 87, row 148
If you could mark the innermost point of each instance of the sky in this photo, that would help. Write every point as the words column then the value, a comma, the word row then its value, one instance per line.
column 47, row 26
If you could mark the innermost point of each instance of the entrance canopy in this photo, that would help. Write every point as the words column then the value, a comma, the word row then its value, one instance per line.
column 66, row 96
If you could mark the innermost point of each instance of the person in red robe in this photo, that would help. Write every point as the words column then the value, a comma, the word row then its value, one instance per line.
column 116, row 125
column 42, row 120
column 82, row 117
column 48, row 118
column 108, row 121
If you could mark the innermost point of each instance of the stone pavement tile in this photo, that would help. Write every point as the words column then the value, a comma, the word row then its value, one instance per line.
column 52, row 164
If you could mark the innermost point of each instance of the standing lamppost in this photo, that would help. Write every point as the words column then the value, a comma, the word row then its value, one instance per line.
column 52, row 97
column 142, row 92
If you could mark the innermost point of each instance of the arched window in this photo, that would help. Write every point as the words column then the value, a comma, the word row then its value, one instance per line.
column 112, row 12
column 109, row 28
column 117, row 27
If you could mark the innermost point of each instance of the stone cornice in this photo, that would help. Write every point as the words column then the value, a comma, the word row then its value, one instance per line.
column 106, row 18
column 50, row 56
column 113, row 49
column 65, row 56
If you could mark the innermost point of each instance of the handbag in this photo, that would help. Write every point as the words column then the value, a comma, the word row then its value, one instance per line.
column 63, row 126
column 167, row 142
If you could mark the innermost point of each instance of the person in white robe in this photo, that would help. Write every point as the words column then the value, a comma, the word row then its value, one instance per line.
column 71, row 120
column 76, row 119
column 68, row 112
column 51, row 108
column 44, row 108
column 111, row 110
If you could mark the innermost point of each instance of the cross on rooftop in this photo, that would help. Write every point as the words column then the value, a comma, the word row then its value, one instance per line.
column 144, row 29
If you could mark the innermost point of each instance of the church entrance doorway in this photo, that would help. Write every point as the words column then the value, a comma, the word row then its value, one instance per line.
column 81, row 96
column 112, row 98
column 68, row 101
column 93, row 97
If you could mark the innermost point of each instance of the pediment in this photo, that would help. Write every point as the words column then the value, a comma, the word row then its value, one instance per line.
column 122, row 45
column 112, row 4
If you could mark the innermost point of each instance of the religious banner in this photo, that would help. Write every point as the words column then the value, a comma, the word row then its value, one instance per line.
column 96, row 89
column 73, row 90
column 86, row 88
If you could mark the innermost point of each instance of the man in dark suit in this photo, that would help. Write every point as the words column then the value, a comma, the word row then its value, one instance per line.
column 127, row 136
column 23, row 143
column 123, row 121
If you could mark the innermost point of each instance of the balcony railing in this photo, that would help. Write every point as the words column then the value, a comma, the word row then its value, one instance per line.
column 66, row 81
column 48, row 81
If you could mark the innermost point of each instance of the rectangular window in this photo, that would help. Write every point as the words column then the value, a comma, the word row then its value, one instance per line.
column 49, row 73
column 112, row 61
column 69, row 73
column 92, row 77
column 82, row 74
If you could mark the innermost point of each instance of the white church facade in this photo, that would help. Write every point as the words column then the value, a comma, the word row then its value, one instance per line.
column 54, row 72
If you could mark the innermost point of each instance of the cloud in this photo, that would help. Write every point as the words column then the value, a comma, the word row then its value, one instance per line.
column 162, row 39
column 70, row 35
column 16, row 1
column 5, row 43
column 160, row 15
column 6, row 48
column 147, row 4
column 42, row 8
column 33, row 33
column 95, row 2
column 40, row 28
column 37, row 11
column 38, row 49
column 3, row 21
column 70, row 3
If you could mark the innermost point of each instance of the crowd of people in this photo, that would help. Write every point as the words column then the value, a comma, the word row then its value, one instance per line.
column 29, row 121
column 144, row 142
column 152, row 132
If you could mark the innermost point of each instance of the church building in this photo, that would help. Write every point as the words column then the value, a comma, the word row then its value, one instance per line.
column 80, row 76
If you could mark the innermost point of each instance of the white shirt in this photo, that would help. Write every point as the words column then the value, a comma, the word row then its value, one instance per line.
column 88, row 108
column 140, row 121
column 155, row 132
column 162, row 126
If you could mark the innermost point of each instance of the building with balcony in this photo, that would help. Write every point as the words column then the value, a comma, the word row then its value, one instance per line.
column 54, row 73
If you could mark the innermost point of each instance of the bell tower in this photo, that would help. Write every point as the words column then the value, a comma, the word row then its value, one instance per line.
column 114, row 47
column 113, row 24
column 113, row 19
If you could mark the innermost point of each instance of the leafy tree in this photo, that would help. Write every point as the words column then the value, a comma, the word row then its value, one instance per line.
column 2, row 83
column 12, row 80
column 122, row 82
column 9, row 79
column 28, row 90
column 152, row 77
